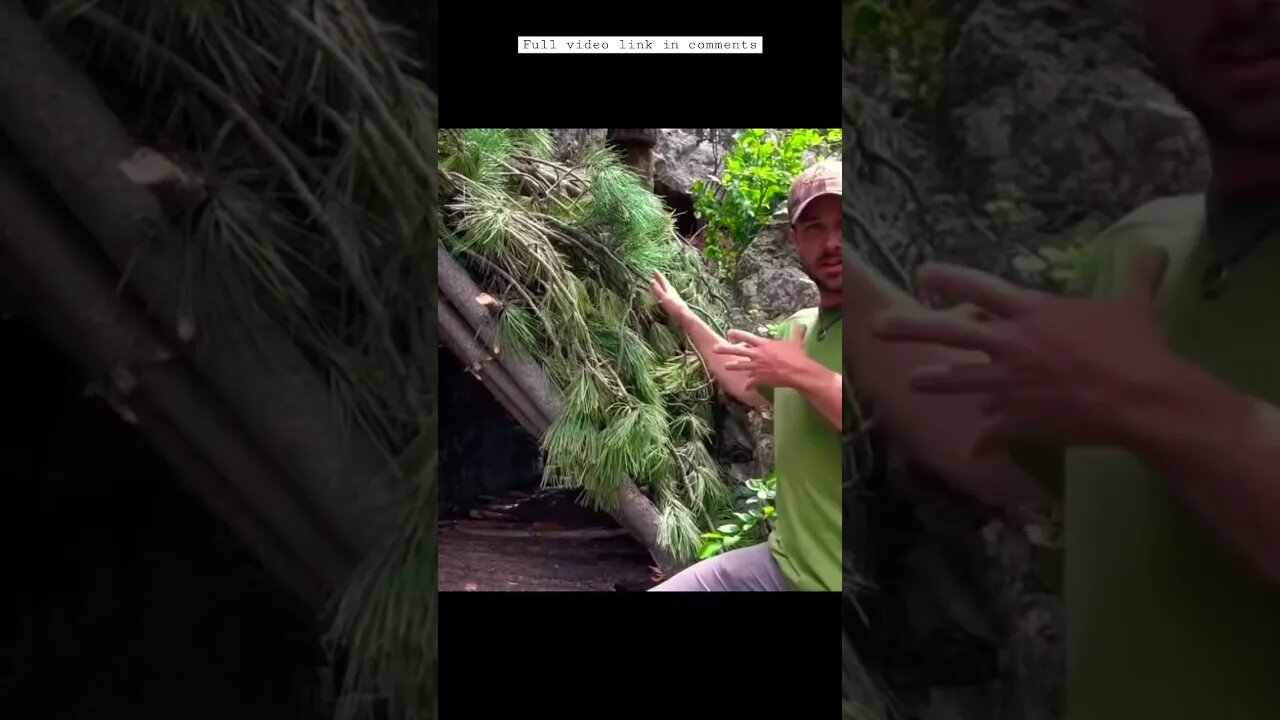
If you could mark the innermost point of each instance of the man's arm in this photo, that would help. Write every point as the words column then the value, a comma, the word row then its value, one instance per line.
column 1221, row 450
column 704, row 341
column 824, row 390
column 938, row 432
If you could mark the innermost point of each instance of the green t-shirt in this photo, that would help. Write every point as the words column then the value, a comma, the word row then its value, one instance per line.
column 806, row 537
column 1161, row 622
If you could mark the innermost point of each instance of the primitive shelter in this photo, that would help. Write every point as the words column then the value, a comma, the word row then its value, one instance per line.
column 497, row 531
column 548, row 246
column 184, row 507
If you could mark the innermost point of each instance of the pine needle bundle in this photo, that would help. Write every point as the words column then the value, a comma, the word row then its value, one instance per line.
column 569, row 246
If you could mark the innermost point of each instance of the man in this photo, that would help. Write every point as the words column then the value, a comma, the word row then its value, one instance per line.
column 799, row 375
column 1150, row 405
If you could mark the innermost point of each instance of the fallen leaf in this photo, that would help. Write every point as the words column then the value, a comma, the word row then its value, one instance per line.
column 488, row 300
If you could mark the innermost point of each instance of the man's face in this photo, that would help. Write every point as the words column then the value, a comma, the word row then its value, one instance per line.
column 1222, row 60
column 818, row 234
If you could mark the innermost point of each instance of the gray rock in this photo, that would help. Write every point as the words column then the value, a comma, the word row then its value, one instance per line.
column 683, row 157
column 770, row 283
column 770, row 286
column 1056, row 112
column 567, row 143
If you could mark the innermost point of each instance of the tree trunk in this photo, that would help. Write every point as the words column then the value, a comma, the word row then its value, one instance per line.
column 636, row 146
column 60, row 126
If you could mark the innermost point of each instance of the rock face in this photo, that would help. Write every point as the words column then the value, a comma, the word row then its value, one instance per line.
column 770, row 286
column 1057, row 128
column 1050, row 129
column 770, row 283
column 568, row 142
column 681, row 158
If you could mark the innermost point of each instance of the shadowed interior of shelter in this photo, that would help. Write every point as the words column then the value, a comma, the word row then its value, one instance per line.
column 126, row 597
column 482, row 449
column 499, row 529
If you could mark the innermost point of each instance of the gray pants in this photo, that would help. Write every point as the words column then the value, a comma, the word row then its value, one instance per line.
column 745, row 569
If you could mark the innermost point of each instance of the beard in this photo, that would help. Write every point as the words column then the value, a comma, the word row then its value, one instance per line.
column 1233, row 119
column 1232, row 122
column 825, row 284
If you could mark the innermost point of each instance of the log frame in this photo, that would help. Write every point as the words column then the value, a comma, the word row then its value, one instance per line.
column 58, row 124
column 467, row 326
column 72, row 297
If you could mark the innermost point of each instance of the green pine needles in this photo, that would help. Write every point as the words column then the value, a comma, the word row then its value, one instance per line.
column 568, row 246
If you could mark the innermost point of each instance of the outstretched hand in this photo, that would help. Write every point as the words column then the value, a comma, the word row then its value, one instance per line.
column 776, row 363
column 1057, row 369
column 667, row 297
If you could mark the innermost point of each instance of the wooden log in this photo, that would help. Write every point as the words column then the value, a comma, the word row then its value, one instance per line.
column 454, row 331
column 201, row 479
column 276, row 553
column 518, row 530
column 464, row 295
column 78, row 302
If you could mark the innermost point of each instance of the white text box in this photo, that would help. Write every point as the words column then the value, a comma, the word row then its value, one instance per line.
column 641, row 45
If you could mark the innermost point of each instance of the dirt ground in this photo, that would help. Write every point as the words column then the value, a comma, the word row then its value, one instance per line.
column 539, row 541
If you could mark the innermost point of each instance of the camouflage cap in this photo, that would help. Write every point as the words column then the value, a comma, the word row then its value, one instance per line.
column 824, row 178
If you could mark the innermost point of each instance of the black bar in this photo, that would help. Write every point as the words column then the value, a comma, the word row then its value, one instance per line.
column 647, row 654
column 486, row 83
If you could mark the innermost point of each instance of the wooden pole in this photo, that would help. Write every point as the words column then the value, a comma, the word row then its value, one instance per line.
column 60, row 127
column 78, row 301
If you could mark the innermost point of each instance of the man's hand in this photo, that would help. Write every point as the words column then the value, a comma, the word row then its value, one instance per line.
column 1079, row 372
column 784, row 364
column 776, row 363
column 704, row 340
column 1064, row 370
column 667, row 296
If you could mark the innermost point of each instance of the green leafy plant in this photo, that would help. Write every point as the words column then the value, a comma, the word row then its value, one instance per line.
column 757, row 178
column 912, row 37
column 1072, row 266
column 748, row 525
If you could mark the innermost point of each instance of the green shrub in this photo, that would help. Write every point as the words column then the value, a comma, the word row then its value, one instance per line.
column 756, row 180
column 749, row 524
column 914, row 40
